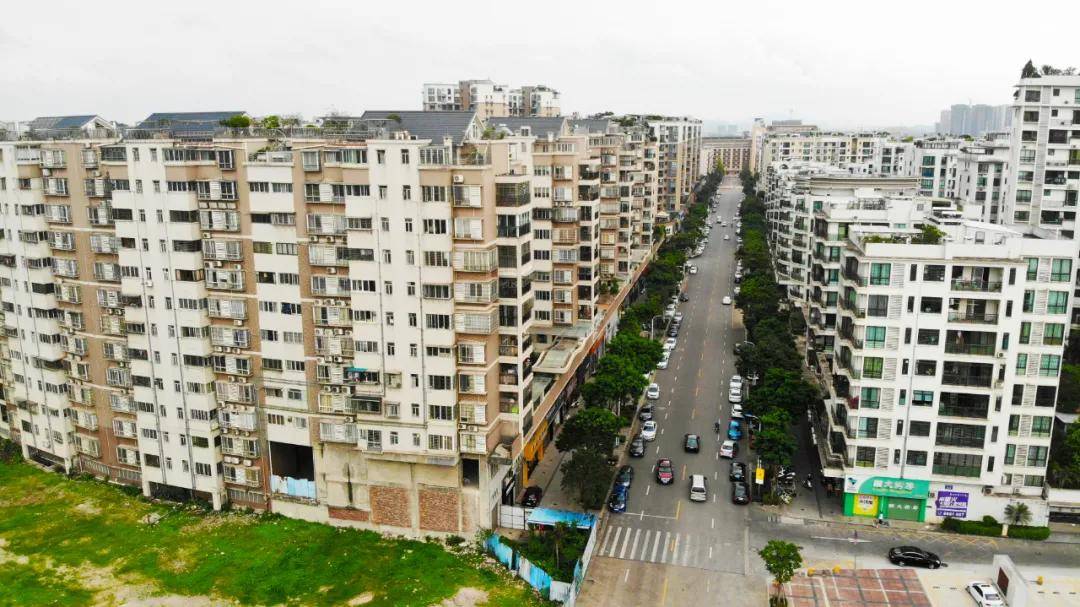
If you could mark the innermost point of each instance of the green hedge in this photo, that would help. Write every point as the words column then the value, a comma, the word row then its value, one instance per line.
column 1027, row 532
column 986, row 528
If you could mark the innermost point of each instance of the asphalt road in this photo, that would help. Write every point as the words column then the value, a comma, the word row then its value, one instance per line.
column 665, row 549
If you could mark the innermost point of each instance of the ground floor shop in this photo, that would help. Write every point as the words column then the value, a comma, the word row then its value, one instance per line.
column 886, row 497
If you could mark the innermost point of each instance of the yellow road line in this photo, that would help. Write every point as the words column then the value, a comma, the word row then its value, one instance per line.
column 678, row 504
column 663, row 592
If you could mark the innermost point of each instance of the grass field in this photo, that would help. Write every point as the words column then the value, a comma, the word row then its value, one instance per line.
column 82, row 542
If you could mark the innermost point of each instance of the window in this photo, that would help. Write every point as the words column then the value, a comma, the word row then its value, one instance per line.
column 1061, row 270
column 872, row 367
column 1021, row 363
column 867, row 427
column 1040, row 426
column 202, row 469
column 957, row 464
column 919, row 428
column 1053, row 334
column 870, row 398
column 879, row 273
column 960, row 435
column 1056, row 302
column 1049, row 365
column 916, row 458
column 922, row 398
column 1036, row 456
column 1029, row 301
column 875, row 337
column 865, row 456
column 1045, row 396
column 404, row 156
column 926, row 368
column 930, row 305
column 934, row 274
column 929, row 337
column 877, row 305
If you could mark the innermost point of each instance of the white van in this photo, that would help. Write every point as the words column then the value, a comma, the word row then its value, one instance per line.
column 698, row 493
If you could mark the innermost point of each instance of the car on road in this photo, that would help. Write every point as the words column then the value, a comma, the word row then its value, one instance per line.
column 678, row 317
column 637, row 446
column 698, row 492
column 734, row 430
column 985, row 595
column 670, row 343
column 625, row 476
column 693, row 269
column 734, row 395
column 723, row 224
column 729, row 449
column 737, row 472
column 663, row 362
column 736, row 412
column 719, row 222
column 646, row 413
column 912, row 555
column 652, row 392
column 532, row 496
column 617, row 501
column 684, row 297
column 740, row 493
column 665, row 471
column 648, row 430
column 674, row 330
column 692, row 443
column 726, row 301
column 736, row 381
column 726, row 237
column 669, row 312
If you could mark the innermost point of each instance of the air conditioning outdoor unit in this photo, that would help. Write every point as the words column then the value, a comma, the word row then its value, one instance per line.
column 459, row 179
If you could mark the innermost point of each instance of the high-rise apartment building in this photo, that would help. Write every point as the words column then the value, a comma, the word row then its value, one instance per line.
column 733, row 152
column 489, row 99
column 376, row 323
column 974, row 120
column 679, row 166
column 941, row 356
column 982, row 176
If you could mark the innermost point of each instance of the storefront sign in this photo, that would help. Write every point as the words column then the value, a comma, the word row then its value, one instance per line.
column 888, row 487
column 952, row 503
column 865, row 505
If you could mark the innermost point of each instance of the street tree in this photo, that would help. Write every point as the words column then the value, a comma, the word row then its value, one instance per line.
column 782, row 560
column 591, row 428
column 1065, row 458
column 774, row 443
column 642, row 352
column 1017, row 514
column 587, row 474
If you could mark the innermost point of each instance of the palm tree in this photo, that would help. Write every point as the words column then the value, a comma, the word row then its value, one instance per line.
column 559, row 534
column 1017, row 514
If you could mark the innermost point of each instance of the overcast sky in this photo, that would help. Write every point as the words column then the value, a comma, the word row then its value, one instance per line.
column 843, row 64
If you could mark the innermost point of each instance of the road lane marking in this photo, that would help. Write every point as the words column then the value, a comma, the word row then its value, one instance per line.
column 678, row 508
column 715, row 476
column 626, row 576
column 712, row 523
column 675, row 548
column 714, row 498
column 697, row 390
column 684, row 472
column 693, row 413
column 615, row 543
column 626, row 542
column 647, row 487
column 667, row 547
column 686, row 549
column 655, row 545
column 633, row 547
column 710, row 554
column 644, row 546
column 663, row 593
column 658, row 449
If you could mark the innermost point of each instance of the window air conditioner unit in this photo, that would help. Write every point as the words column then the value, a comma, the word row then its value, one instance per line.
column 459, row 179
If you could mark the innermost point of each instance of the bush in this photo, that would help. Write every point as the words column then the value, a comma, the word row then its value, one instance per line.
column 987, row 527
column 10, row 453
column 1027, row 532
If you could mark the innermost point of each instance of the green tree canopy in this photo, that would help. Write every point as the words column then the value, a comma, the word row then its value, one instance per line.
column 782, row 560
column 1029, row 70
column 640, row 351
column 774, row 443
column 591, row 428
column 587, row 474
column 1065, row 458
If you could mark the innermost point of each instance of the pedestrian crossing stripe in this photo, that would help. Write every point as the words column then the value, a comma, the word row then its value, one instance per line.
column 653, row 546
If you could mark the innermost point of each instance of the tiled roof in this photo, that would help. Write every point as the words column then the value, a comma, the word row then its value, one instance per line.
column 186, row 121
column 61, row 122
column 426, row 125
column 538, row 126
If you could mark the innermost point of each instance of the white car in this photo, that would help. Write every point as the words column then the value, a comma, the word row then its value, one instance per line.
column 664, row 361
column 727, row 449
column 719, row 222
column 693, row 269
column 736, row 411
column 652, row 392
column 678, row 316
column 726, row 301
column 985, row 595
column 736, row 382
column 734, row 395
column 738, row 289
column 727, row 237
column 648, row 430
column 670, row 343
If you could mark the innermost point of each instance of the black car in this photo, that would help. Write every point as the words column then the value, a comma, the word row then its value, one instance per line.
column 617, row 501
column 532, row 497
column 692, row 443
column 673, row 332
column 740, row 493
column 637, row 446
column 910, row 555
column 646, row 413
column 738, row 472
column 684, row 297
column 625, row 476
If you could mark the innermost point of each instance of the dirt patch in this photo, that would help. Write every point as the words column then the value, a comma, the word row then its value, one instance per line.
column 88, row 508
column 6, row 556
column 361, row 599
column 211, row 522
column 466, row 597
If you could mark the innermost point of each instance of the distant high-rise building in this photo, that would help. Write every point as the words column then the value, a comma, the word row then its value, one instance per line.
column 974, row 120
column 489, row 99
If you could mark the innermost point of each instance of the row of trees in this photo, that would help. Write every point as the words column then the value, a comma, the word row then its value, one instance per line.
column 621, row 375
column 784, row 394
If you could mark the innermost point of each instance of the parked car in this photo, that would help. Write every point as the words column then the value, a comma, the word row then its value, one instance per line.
column 617, row 501
column 738, row 289
column 684, row 297
column 734, row 395
column 652, row 392
column 673, row 331
column 734, row 430
column 737, row 472
column 729, row 449
column 726, row 301
column 740, row 493
column 692, row 443
column 670, row 343
column 985, row 595
column 726, row 237
column 735, row 382
column 648, row 430
column 663, row 362
column 665, row 471
column 532, row 496
column 678, row 317
column 646, row 413
column 625, row 476
column 736, row 412
column 637, row 446
column 693, row 269
column 698, row 492
column 912, row 555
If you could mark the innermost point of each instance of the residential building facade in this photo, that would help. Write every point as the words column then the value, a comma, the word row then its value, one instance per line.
column 733, row 152
column 489, row 99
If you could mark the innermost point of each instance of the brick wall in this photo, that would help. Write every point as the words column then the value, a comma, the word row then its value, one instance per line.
column 390, row 506
column 439, row 509
column 349, row 514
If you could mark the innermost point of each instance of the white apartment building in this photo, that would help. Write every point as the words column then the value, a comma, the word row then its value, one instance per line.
column 941, row 359
column 679, row 160
column 376, row 326
column 982, row 175
column 490, row 99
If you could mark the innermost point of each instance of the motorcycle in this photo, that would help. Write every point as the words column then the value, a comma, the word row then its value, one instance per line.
column 809, row 484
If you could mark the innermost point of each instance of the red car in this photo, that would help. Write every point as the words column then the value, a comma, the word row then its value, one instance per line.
column 665, row 472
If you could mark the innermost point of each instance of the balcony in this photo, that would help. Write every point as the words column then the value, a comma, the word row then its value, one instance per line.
column 973, row 317
column 966, row 379
column 974, row 349
column 976, row 285
column 512, row 194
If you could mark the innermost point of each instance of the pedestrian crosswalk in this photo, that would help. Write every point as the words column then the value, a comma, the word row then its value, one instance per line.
column 658, row 546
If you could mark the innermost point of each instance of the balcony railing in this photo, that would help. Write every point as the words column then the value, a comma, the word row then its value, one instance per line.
column 977, row 349
column 976, row 285
column 962, row 379
column 976, row 317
